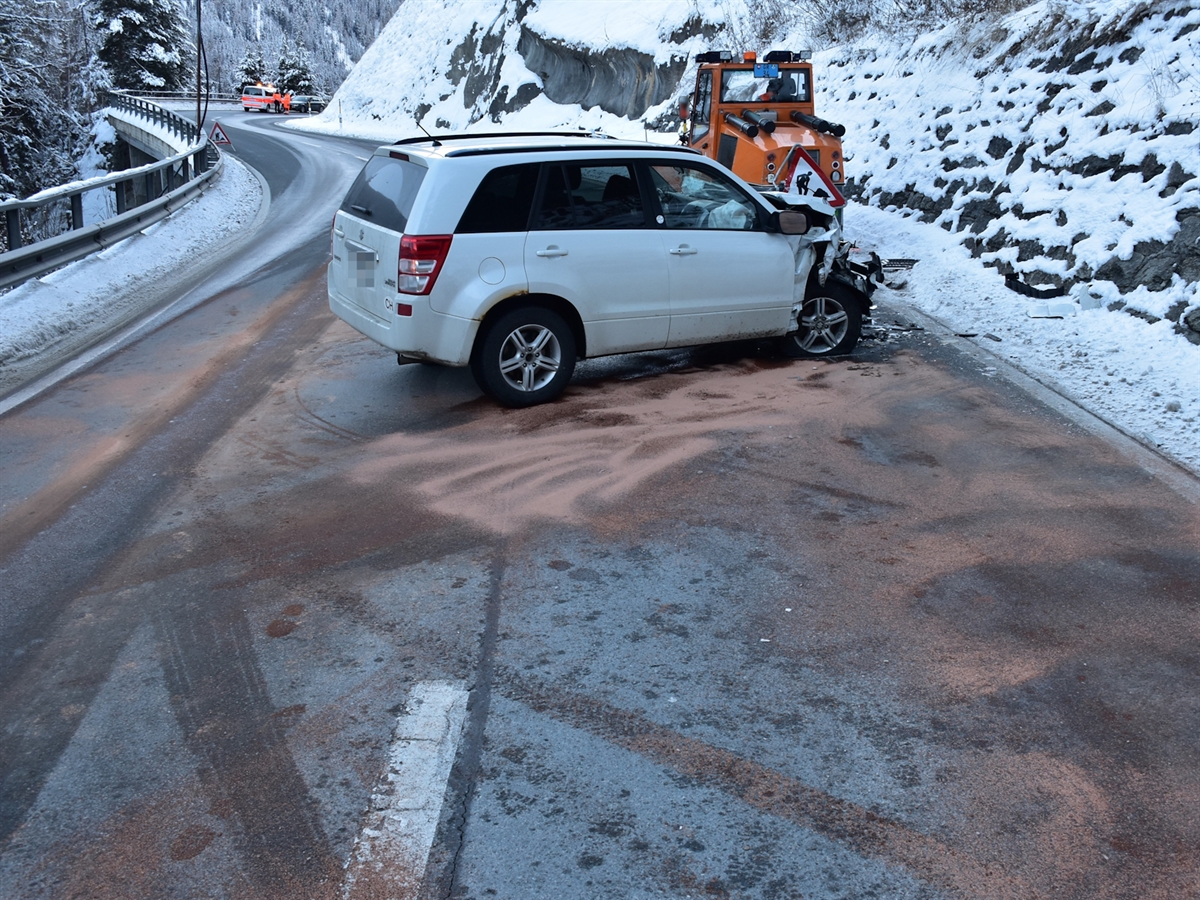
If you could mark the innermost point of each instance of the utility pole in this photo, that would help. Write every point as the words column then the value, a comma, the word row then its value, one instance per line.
column 199, row 52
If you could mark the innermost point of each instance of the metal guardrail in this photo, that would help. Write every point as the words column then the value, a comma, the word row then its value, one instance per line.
column 168, row 185
column 217, row 97
column 180, row 127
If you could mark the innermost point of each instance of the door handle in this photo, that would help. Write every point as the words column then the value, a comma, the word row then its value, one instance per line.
column 684, row 250
column 339, row 232
column 551, row 251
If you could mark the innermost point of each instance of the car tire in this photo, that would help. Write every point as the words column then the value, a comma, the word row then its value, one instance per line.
column 524, row 357
column 830, row 322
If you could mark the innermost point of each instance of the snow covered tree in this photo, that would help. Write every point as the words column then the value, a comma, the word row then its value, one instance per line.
column 295, row 69
column 335, row 34
column 252, row 69
column 144, row 45
column 37, row 127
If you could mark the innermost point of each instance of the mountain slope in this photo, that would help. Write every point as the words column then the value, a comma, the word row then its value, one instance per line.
column 335, row 33
column 523, row 64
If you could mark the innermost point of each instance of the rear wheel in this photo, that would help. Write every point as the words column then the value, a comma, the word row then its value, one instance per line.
column 524, row 357
column 830, row 322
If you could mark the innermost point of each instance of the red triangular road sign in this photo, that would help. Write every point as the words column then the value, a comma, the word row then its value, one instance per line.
column 219, row 136
column 800, row 170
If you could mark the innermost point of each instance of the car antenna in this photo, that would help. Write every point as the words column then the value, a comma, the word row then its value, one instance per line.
column 436, row 142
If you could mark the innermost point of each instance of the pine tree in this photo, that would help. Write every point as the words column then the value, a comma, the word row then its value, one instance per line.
column 252, row 69
column 144, row 44
column 295, row 69
column 37, row 128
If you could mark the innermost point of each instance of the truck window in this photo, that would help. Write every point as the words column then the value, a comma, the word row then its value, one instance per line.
column 740, row 86
column 384, row 192
column 701, row 105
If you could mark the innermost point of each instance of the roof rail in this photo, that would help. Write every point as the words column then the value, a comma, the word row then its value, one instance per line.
column 441, row 138
column 618, row 147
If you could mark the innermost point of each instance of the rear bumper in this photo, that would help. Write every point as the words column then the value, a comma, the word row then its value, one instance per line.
column 425, row 334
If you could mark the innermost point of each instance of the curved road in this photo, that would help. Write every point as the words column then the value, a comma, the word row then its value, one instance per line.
column 714, row 624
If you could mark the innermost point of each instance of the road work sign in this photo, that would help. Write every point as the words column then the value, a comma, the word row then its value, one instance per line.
column 219, row 136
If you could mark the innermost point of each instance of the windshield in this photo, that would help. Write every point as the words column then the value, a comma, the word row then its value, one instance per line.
column 740, row 86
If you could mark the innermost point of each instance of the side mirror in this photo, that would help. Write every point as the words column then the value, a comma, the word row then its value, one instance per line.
column 788, row 222
column 683, row 111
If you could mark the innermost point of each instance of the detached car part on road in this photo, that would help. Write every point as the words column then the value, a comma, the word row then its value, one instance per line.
column 519, row 254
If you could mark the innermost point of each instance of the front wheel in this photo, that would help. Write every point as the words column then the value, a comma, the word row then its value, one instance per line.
column 830, row 322
column 525, row 357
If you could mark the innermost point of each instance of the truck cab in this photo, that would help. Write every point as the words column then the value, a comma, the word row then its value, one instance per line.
column 750, row 115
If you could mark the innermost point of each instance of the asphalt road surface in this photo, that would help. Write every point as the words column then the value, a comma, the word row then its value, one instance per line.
column 282, row 619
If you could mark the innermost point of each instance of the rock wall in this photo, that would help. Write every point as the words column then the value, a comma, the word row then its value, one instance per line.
column 619, row 80
column 1061, row 144
column 525, row 65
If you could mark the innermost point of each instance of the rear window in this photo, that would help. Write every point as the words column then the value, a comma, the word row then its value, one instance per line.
column 502, row 201
column 384, row 192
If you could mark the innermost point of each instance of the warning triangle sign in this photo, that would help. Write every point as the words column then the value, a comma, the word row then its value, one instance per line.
column 219, row 136
column 803, row 176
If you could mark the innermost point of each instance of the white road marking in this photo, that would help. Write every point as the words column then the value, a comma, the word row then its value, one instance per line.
column 390, row 854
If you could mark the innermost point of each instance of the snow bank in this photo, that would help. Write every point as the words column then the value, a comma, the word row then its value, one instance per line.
column 49, row 317
column 1141, row 377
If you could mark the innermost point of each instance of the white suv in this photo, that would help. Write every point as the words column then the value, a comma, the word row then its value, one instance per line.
column 519, row 254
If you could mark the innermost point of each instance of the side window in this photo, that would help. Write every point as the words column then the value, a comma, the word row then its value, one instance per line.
column 586, row 195
column 555, row 212
column 502, row 201
column 803, row 89
column 702, row 105
column 693, row 197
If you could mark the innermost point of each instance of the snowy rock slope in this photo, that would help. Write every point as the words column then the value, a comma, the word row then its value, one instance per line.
column 522, row 65
column 1060, row 142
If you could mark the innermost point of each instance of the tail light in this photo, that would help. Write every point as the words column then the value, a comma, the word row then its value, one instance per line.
column 421, row 258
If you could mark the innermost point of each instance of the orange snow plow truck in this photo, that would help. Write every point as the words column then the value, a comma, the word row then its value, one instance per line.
column 759, row 119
